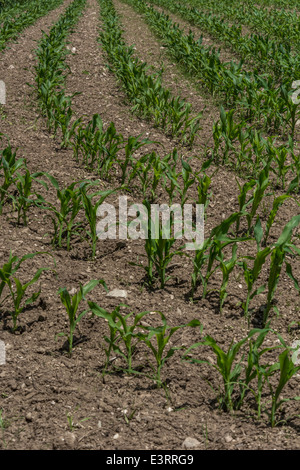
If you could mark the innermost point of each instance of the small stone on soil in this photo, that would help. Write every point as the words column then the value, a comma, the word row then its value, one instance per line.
column 118, row 293
column 190, row 443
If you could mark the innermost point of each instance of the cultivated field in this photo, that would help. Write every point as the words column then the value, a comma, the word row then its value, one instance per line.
column 133, row 342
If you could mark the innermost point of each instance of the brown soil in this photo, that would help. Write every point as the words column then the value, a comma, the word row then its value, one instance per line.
column 51, row 401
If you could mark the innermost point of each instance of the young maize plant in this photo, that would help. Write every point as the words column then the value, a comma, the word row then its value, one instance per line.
column 154, row 172
column 281, row 24
column 122, row 332
column 149, row 170
column 9, row 165
column 51, row 76
column 22, row 16
column 212, row 251
column 228, row 366
column 132, row 145
column 203, row 184
column 145, row 91
column 226, row 267
column 17, row 290
column 287, row 370
column 97, row 147
column 64, row 217
column 277, row 202
column 258, row 193
column 127, row 331
column 159, row 246
column 90, row 210
column 247, row 152
column 163, row 235
column 238, row 378
column 72, row 303
column 16, row 184
column 9, row 8
column 22, row 198
column 282, row 248
column 258, row 97
column 266, row 53
column 162, row 336
column 278, row 255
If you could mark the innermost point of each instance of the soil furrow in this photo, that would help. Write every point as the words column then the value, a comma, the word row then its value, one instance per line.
column 100, row 93
column 20, row 118
column 151, row 51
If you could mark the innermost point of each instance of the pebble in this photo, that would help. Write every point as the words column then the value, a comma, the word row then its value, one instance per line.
column 66, row 442
column 118, row 293
column 190, row 443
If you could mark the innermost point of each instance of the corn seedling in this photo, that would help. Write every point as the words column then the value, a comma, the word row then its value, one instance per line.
column 17, row 290
column 258, row 194
column 63, row 117
column 112, row 142
column 63, row 217
column 282, row 247
column 227, row 365
column 250, row 370
column 50, row 77
column 256, row 93
column 188, row 181
column 132, row 145
column 251, row 275
column 121, row 331
column 22, row 197
column 211, row 251
column 72, row 424
column 159, row 246
column 226, row 268
column 97, row 147
column 162, row 339
column 4, row 423
column 170, row 164
column 277, row 202
column 9, row 165
column 242, row 199
column 90, row 210
column 149, row 169
column 20, row 18
column 72, row 303
column 144, row 90
column 203, row 184
column 287, row 369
